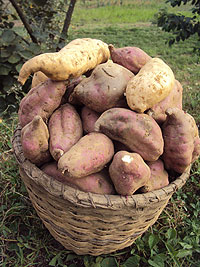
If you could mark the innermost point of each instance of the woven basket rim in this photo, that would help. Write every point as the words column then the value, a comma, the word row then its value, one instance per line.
column 85, row 199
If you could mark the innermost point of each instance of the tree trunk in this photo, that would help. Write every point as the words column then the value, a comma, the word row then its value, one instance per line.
column 24, row 21
column 67, row 21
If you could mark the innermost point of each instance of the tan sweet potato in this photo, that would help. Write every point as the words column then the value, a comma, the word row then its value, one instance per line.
column 38, row 78
column 130, row 57
column 77, row 57
column 89, row 155
column 104, row 88
column 98, row 183
column 65, row 129
column 152, row 84
column 89, row 117
column 158, row 178
column 128, row 172
column 34, row 140
column 179, row 133
column 174, row 99
column 139, row 132
column 41, row 100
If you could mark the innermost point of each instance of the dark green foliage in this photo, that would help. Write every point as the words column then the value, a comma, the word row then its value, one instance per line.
column 181, row 26
column 16, row 46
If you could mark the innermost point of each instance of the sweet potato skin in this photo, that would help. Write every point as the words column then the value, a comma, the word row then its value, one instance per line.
column 139, row 132
column 34, row 140
column 89, row 155
column 89, row 117
column 105, row 87
column 131, row 57
column 38, row 78
column 98, row 183
column 65, row 129
column 77, row 57
column 174, row 99
column 41, row 100
column 159, row 177
column 129, row 172
column 152, row 84
column 179, row 133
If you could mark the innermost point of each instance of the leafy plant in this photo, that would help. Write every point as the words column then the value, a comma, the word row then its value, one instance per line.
column 182, row 27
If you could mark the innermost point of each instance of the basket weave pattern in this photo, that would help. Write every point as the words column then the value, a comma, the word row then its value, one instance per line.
column 88, row 223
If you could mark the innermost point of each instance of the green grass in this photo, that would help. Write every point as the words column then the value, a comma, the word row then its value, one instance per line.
column 174, row 238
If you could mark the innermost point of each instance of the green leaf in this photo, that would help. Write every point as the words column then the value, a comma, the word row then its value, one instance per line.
column 183, row 253
column 14, row 59
column 185, row 245
column 109, row 262
column 26, row 54
column 71, row 257
column 4, row 70
column 54, row 260
column 8, row 36
column 171, row 233
column 132, row 261
column 18, row 67
column 153, row 240
column 5, row 53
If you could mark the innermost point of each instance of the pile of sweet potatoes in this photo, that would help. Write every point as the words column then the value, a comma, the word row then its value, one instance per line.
column 106, row 120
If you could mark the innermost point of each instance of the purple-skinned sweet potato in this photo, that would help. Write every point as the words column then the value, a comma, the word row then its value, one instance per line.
column 131, row 57
column 128, row 172
column 139, row 132
column 174, row 99
column 179, row 132
column 65, row 129
column 98, row 183
column 41, row 100
column 89, row 117
column 159, row 177
column 89, row 155
column 34, row 140
column 105, row 87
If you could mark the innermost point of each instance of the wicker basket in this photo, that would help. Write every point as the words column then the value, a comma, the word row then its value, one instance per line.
column 88, row 223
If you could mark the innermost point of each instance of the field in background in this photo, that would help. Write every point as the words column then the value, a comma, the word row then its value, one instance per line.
column 174, row 239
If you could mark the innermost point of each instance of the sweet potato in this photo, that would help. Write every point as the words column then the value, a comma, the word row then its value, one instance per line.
column 34, row 140
column 128, row 172
column 89, row 117
column 158, row 178
column 130, row 57
column 89, row 155
column 38, row 78
column 77, row 57
column 152, row 84
column 174, row 99
column 98, row 183
column 41, row 100
column 65, row 129
column 104, row 88
column 139, row 132
column 179, row 133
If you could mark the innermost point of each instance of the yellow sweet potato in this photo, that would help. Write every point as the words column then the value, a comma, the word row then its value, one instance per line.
column 98, row 183
column 131, row 57
column 128, row 172
column 65, row 129
column 34, row 140
column 89, row 155
column 152, row 84
column 41, row 100
column 77, row 57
